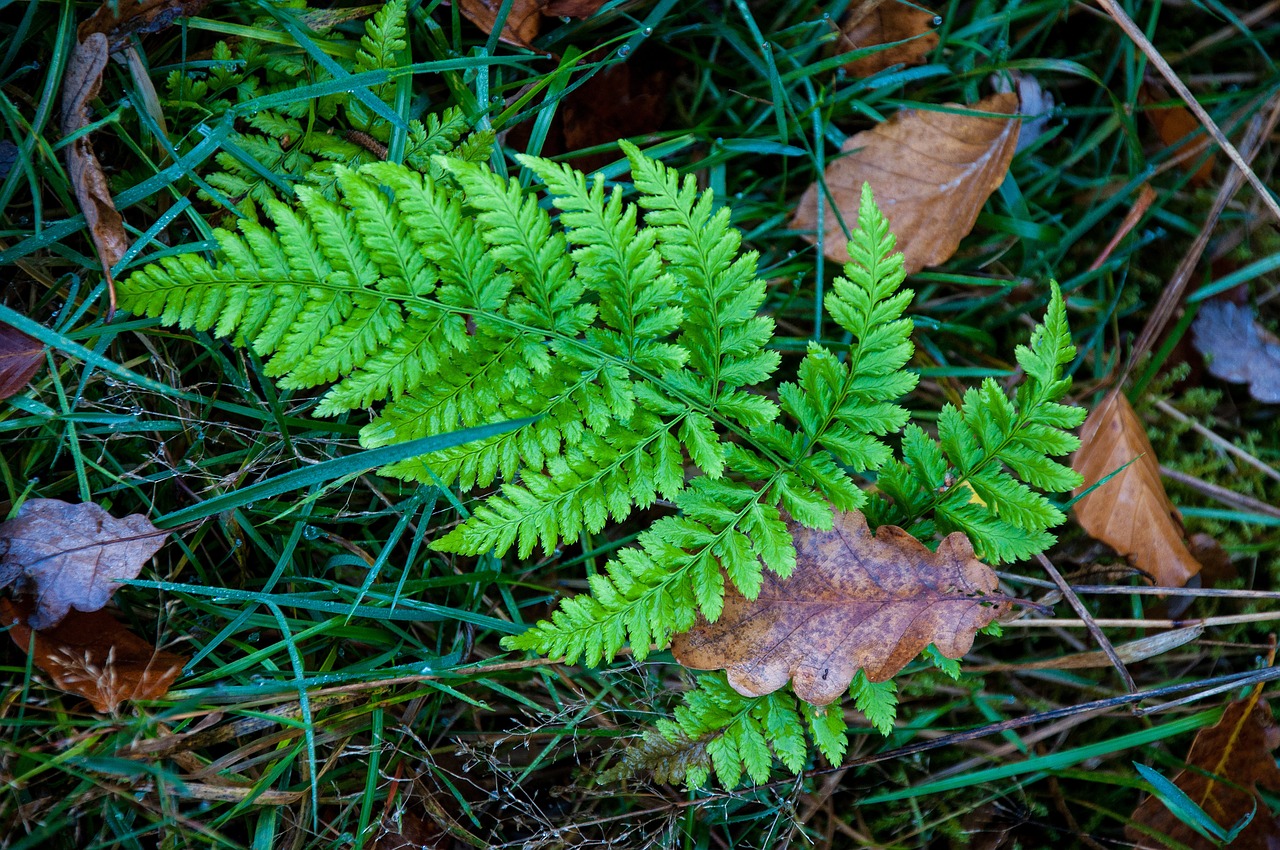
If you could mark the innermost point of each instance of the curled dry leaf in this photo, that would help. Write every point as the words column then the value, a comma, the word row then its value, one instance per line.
column 72, row 556
column 80, row 85
column 20, row 359
column 1227, row 765
column 931, row 173
column 854, row 601
column 94, row 656
column 1131, row 513
column 1237, row 349
column 884, row 22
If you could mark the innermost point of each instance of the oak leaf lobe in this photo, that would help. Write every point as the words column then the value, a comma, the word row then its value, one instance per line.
column 854, row 601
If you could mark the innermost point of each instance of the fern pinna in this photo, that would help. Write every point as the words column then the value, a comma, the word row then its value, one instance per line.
column 453, row 297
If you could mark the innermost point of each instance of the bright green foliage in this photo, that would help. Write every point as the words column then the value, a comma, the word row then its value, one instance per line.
column 966, row 480
column 447, row 297
column 311, row 138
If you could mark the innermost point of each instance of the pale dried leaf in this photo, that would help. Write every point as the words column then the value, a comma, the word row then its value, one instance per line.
column 1238, row 349
column 80, row 85
column 94, row 656
column 931, row 173
column 1227, row 764
column 1130, row 513
column 868, row 25
column 72, row 556
column 20, row 359
column 854, row 601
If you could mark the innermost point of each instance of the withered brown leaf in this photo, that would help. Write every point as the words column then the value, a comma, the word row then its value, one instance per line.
column 1175, row 126
column 72, row 556
column 1227, row 764
column 854, row 601
column 1237, row 349
column 94, row 656
column 123, row 18
column 1131, row 513
column 931, row 173
column 870, row 24
column 80, row 85
column 20, row 359
column 524, row 20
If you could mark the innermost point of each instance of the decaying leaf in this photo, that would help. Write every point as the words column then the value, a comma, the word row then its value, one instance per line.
column 869, row 24
column 95, row 656
column 1237, row 349
column 124, row 18
column 71, row 556
column 1227, row 765
column 854, row 601
column 931, row 173
column 1175, row 126
column 20, row 359
column 1131, row 513
column 80, row 85
column 524, row 21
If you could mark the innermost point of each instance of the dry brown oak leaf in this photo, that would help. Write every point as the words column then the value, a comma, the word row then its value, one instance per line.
column 931, row 173
column 20, row 359
column 1131, row 513
column 854, row 601
column 875, row 23
column 524, row 20
column 72, row 556
column 94, row 656
column 1237, row 755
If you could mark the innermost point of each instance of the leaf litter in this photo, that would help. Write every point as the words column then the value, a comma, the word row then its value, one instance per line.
column 72, row 556
column 855, row 600
column 931, row 173
column 1237, row 349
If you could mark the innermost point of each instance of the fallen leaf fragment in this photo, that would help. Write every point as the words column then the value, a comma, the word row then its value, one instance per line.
column 1175, row 125
column 1236, row 756
column 523, row 23
column 573, row 8
column 94, row 656
column 80, row 85
column 870, row 24
column 1237, row 349
column 20, row 359
column 931, row 173
column 72, row 556
column 1131, row 513
column 124, row 18
column 854, row 601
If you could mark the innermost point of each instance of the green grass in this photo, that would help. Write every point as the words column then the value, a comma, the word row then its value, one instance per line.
column 345, row 679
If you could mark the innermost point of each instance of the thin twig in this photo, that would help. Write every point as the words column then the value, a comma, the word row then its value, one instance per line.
column 1228, row 620
column 1221, row 442
column 1222, row 494
column 1144, row 44
column 1098, row 636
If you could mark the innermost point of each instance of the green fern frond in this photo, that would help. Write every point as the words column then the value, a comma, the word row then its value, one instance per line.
column 991, row 452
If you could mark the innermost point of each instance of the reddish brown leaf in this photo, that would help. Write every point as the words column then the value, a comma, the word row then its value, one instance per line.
column 1174, row 125
column 80, row 85
column 94, row 656
column 931, row 173
column 870, row 24
column 523, row 23
column 1130, row 513
column 854, row 601
column 72, row 556
column 1237, row 349
column 1227, row 765
column 20, row 359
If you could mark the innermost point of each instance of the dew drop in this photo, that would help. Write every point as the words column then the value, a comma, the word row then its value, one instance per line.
column 311, row 532
column 248, row 506
column 647, row 31
column 564, row 19
column 826, row 16
column 624, row 51
column 254, row 637
column 937, row 20
column 841, row 73
column 790, row 254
